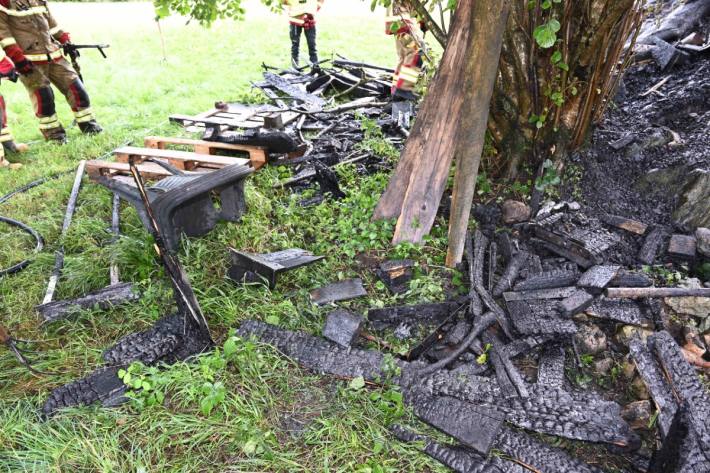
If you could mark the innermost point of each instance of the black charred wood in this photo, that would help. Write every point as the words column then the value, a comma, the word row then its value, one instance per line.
column 102, row 386
column 556, row 293
column 511, row 273
column 597, row 278
column 548, row 280
column 474, row 426
column 434, row 313
column 343, row 327
column 626, row 278
column 510, row 382
column 651, row 245
column 459, row 459
column 619, row 310
column 476, row 305
column 328, row 180
column 103, row 299
column 396, row 274
column 575, row 304
column 551, row 368
column 339, row 291
column 539, row 317
column 252, row 267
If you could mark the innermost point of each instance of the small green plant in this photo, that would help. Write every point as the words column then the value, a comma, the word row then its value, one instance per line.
column 549, row 179
column 587, row 360
column 484, row 185
column 213, row 395
column 390, row 402
column 483, row 357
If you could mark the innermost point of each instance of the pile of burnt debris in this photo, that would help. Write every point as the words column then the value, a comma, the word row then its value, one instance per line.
column 313, row 123
column 548, row 293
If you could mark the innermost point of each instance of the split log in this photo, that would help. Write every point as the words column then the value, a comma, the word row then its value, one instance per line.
column 488, row 22
column 643, row 292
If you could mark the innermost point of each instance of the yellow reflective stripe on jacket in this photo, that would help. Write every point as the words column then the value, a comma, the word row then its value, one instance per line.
column 409, row 74
column 43, row 57
column 28, row 12
column 8, row 42
column 5, row 135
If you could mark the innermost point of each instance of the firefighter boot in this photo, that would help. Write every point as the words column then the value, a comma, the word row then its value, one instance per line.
column 90, row 128
column 15, row 148
column 57, row 134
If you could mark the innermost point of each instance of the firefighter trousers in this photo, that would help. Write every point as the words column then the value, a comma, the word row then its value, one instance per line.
column 39, row 86
column 409, row 66
column 310, row 33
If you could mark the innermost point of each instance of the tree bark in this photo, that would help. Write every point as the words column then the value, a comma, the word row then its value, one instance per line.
column 488, row 22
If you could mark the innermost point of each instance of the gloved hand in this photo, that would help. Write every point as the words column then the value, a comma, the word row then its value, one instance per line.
column 7, row 69
column 65, row 38
column 24, row 67
column 308, row 21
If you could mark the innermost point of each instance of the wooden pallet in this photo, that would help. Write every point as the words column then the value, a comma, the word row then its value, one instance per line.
column 258, row 156
column 99, row 168
column 185, row 160
column 235, row 117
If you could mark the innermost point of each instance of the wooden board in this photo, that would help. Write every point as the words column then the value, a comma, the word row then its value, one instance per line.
column 97, row 168
column 258, row 156
column 180, row 159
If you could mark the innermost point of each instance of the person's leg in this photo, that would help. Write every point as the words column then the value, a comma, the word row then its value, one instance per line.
column 295, row 33
column 311, row 40
column 40, row 91
column 67, row 81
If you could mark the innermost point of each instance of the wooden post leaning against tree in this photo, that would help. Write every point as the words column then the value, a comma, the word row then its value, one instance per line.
column 488, row 23
column 431, row 138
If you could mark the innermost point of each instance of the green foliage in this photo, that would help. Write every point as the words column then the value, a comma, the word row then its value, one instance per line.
column 549, row 178
column 546, row 34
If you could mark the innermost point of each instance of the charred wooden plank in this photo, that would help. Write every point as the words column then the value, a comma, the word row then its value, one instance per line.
column 316, row 354
column 171, row 339
column 343, row 327
column 474, row 426
column 509, row 379
column 434, row 313
column 548, row 280
column 539, row 318
column 624, row 311
column 339, row 291
column 556, row 293
column 524, row 345
column 103, row 299
column 475, row 303
column 103, row 386
column 655, row 382
column 685, row 385
column 586, row 243
column 630, row 279
column 651, row 245
column 682, row 246
column 538, row 456
column 576, row 303
column 597, row 278
column 396, row 274
column 459, row 459
column 551, row 369
column 629, row 225
column 511, row 273
column 293, row 91
column 251, row 267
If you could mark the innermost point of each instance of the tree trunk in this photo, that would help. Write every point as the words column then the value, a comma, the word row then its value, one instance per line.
column 488, row 22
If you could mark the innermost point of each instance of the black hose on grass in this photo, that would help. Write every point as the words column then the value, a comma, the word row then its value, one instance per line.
column 33, row 233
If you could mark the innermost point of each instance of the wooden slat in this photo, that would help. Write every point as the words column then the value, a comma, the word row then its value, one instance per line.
column 258, row 155
column 180, row 159
column 96, row 169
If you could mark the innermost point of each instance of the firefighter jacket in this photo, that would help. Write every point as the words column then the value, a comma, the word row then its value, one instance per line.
column 302, row 12
column 29, row 31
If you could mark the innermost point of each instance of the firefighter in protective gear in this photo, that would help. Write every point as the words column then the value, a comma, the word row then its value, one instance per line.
column 301, row 17
column 31, row 37
column 7, row 70
column 410, row 41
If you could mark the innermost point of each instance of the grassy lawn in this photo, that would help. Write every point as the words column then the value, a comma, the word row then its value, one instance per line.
column 273, row 416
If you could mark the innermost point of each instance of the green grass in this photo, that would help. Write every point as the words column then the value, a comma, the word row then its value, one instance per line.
column 252, row 428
